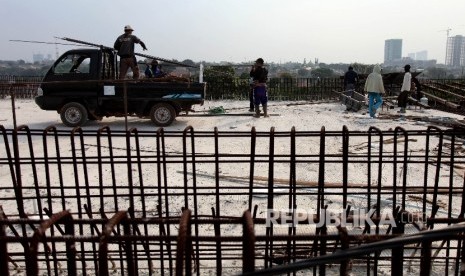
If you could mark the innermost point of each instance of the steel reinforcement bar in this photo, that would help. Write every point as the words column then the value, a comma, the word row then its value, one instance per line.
column 307, row 195
column 117, row 248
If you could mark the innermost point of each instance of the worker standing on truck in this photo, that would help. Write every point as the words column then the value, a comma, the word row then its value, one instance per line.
column 124, row 44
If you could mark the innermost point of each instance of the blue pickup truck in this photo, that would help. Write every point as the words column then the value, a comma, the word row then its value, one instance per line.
column 82, row 85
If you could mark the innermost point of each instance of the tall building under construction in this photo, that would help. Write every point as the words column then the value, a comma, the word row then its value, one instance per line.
column 455, row 51
column 392, row 50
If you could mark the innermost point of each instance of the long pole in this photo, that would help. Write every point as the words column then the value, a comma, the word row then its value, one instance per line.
column 13, row 107
column 137, row 54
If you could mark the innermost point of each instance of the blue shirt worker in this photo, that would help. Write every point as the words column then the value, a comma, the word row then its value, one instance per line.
column 259, row 74
column 154, row 71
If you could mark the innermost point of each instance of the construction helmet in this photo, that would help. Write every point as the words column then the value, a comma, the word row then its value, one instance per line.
column 128, row 28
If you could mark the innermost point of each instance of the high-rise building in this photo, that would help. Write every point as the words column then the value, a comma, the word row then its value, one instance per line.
column 392, row 50
column 37, row 57
column 455, row 51
column 422, row 55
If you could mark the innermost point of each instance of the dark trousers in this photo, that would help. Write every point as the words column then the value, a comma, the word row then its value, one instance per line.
column 260, row 95
column 350, row 88
column 125, row 64
column 402, row 99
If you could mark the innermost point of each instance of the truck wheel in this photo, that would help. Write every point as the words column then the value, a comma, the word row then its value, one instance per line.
column 162, row 114
column 73, row 114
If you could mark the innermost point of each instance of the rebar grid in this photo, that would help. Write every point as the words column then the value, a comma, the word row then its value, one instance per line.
column 148, row 178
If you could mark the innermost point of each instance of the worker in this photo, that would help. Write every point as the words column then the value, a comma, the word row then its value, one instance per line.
column 154, row 70
column 350, row 81
column 402, row 99
column 259, row 74
column 374, row 86
column 124, row 44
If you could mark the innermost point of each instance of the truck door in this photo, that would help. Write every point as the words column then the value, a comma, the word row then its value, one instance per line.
column 74, row 74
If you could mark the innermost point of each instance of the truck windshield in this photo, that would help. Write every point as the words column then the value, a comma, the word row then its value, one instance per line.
column 73, row 64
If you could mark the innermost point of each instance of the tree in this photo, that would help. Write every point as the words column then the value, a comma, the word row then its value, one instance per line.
column 220, row 81
column 224, row 73
column 244, row 75
column 362, row 68
column 285, row 75
column 323, row 73
column 303, row 73
column 189, row 62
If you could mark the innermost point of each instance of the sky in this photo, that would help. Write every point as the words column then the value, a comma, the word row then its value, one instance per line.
column 332, row 31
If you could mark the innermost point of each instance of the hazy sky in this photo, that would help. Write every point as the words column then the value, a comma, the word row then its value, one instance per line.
column 237, row 30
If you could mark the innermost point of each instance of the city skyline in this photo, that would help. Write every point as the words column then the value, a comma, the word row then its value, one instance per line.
column 236, row 30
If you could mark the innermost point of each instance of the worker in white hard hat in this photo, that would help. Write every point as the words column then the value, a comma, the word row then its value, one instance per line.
column 124, row 44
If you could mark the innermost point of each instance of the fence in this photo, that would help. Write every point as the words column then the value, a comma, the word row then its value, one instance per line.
column 161, row 202
column 278, row 88
column 235, row 88
column 20, row 87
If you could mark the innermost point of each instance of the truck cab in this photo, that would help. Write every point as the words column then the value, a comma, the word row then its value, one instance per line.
column 82, row 85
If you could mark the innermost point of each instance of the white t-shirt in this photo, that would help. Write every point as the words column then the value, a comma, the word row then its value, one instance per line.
column 407, row 82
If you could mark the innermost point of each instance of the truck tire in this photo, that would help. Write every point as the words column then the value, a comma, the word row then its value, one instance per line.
column 73, row 114
column 162, row 114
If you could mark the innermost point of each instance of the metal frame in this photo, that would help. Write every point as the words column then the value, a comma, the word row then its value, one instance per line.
column 175, row 203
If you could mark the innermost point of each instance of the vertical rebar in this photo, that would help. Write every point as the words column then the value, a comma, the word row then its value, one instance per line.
column 270, row 200
column 65, row 217
column 47, row 159
column 248, row 243
column 371, row 131
column 3, row 247
column 190, row 130
column 109, row 228
column 13, row 106
column 76, row 162
column 253, row 144
column 321, row 198
column 163, row 183
column 291, row 245
column 345, row 165
column 435, row 206
column 217, row 214
column 184, row 245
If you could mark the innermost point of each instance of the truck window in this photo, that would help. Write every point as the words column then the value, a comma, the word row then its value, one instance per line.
column 73, row 64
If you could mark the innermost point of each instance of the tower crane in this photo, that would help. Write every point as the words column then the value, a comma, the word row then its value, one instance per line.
column 446, row 30
column 447, row 42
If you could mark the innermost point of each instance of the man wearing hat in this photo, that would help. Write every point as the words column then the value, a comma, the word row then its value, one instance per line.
column 405, row 90
column 124, row 44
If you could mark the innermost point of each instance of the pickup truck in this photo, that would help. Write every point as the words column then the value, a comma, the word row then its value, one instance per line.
column 82, row 85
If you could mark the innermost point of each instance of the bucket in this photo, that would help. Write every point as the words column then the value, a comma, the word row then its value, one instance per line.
column 424, row 100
